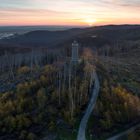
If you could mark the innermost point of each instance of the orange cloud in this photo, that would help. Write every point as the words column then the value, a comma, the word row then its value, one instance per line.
column 69, row 12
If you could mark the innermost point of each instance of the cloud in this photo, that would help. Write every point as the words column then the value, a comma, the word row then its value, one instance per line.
column 20, row 12
column 130, row 3
column 67, row 11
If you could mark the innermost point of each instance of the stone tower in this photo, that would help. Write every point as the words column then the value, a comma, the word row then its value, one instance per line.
column 75, row 48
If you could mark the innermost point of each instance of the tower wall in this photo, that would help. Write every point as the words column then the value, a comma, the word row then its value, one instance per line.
column 75, row 48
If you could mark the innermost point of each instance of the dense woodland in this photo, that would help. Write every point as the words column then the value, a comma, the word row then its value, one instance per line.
column 52, row 93
column 116, row 108
column 57, row 95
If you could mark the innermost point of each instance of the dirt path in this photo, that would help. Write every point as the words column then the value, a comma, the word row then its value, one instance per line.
column 91, row 105
column 126, row 132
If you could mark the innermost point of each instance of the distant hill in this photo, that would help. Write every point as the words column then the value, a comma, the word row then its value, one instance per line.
column 94, row 35
column 43, row 37
column 118, row 32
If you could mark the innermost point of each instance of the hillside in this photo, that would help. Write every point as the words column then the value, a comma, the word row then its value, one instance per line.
column 97, row 36
column 43, row 37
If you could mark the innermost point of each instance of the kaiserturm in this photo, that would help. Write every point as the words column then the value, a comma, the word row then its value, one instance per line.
column 75, row 54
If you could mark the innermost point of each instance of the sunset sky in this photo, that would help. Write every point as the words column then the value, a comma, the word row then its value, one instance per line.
column 69, row 12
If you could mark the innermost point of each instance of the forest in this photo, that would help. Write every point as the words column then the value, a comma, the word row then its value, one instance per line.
column 116, row 109
column 54, row 97
column 44, row 95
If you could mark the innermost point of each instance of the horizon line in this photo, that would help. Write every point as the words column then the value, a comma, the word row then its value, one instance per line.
column 65, row 25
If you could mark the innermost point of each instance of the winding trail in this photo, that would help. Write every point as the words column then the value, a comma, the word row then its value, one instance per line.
column 91, row 105
column 126, row 132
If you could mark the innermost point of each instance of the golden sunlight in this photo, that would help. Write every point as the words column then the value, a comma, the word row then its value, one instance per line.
column 90, row 21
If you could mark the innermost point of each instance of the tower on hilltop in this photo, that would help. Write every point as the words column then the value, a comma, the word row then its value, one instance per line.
column 75, row 49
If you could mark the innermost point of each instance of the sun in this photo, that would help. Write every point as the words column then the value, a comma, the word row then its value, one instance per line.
column 90, row 21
